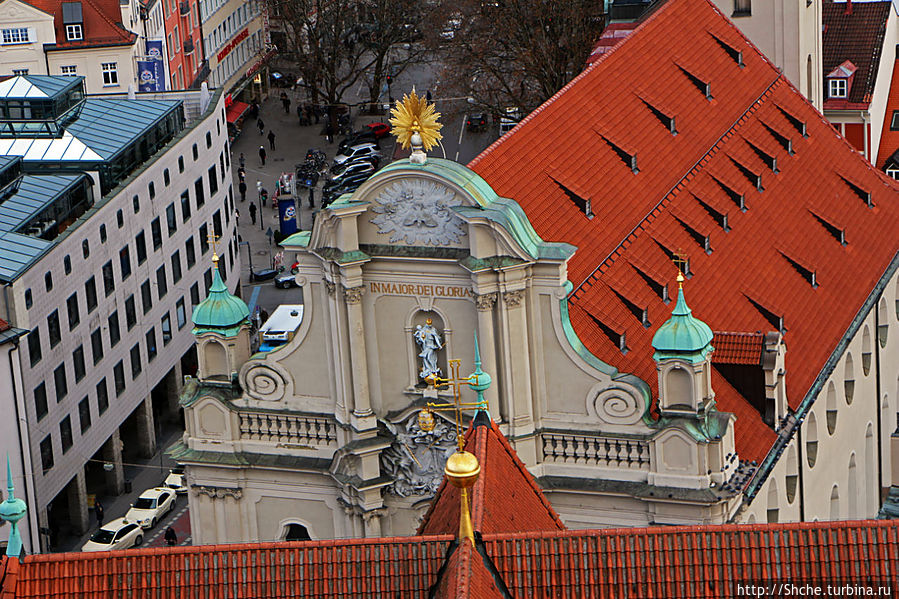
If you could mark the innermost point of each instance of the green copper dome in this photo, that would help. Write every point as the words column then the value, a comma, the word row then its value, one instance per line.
column 220, row 310
column 682, row 333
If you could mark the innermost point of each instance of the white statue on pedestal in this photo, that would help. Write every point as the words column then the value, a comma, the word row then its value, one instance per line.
column 428, row 339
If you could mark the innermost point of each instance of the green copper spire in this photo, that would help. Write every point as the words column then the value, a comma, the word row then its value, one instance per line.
column 220, row 310
column 479, row 381
column 682, row 334
column 12, row 510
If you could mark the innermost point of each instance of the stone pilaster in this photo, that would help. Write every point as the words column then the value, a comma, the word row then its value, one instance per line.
column 76, row 492
column 146, row 428
column 112, row 453
column 359, row 363
column 486, row 302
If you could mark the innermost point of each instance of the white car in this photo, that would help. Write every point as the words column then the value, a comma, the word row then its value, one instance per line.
column 175, row 480
column 120, row 533
column 358, row 151
column 152, row 505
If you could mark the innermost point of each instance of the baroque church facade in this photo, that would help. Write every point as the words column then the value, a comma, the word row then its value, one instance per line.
column 773, row 399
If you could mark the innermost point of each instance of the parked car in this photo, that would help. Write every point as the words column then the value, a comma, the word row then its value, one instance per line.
column 120, row 533
column 175, row 480
column 348, row 185
column 152, row 505
column 355, row 138
column 286, row 280
column 365, row 149
column 476, row 121
column 353, row 168
column 379, row 129
column 374, row 161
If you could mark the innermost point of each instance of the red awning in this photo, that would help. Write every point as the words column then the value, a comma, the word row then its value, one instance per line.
column 236, row 110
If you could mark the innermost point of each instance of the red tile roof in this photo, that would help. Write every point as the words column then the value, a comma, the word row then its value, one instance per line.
column 695, row 561
column 738, row 348
column 857, row 37
column 466, row 575
column 3, row 325
column 504, row 482
column 750, row 273
column 102, row 23
column 889, row 139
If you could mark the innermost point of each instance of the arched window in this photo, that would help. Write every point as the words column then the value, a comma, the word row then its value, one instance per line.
column 870, row 484
column 750, row 519
column 679, row 387
column 831, row 407
column 866, row 350
column 811, row 440
column 773, row 511
column 809, row 77
column 883, row 325
column 852, row 488
column 849, row 379
column 296, row 532
column 792, row 479
column 216, row 361
column 835, row 503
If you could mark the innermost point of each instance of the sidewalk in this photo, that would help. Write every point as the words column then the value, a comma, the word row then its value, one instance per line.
column 291, row 143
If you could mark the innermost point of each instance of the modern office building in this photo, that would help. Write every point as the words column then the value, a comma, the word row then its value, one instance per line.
column 235, row 42
column 107, row 209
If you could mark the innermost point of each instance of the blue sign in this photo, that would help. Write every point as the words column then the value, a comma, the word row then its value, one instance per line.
column 146, row 75
column 154, row 49
column 287, row 216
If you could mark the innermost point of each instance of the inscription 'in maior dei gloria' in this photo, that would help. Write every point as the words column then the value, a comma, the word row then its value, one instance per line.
column 420, row 290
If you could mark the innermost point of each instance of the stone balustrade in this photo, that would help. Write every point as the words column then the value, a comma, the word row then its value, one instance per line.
column 287, row 429
column 607, row 452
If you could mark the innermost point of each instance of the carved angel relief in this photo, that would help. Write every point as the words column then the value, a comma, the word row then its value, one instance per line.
column 415, row 459
column 418, row 212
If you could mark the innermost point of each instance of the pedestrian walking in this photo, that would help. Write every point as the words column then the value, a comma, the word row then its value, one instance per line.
column 236, row 217
column 311, row 197
column 329, row 131
column 263, row 195
column 428, row 95
column 241, row 173
column 242, row 188
column 98, row 511
column 171, row 537
column 242, row 160
column 285, row 102
column 271, row 139
column 253, row 213
column 261, row 124
column 262, row 154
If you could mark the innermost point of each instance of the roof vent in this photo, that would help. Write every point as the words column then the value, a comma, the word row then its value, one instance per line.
column 616, row 335
column 735, row 196
column 701, row 238
column 782, row 139
column 735, row 54
column 798, row 124
column 665, row 119
column 754, row 178
column 719, row 217
column 769, row 159
column 640, row 312
column 807, row 273
column 629, row 158
column 776, row 320
column 583, row 204
column 703, row 86
column 660, row 289
column 861, row 193
column 838, row 233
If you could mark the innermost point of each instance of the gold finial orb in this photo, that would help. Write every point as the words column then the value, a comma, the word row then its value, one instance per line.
column 426, row 420
column 428, row 321
column 462, row 469
column 680, row 277
column 413, row 115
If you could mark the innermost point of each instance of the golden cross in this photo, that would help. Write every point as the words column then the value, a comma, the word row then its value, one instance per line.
column 454, row 382
column 681, row 261
column 212, row 238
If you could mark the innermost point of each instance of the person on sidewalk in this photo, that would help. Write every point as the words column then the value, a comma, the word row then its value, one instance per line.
column 271, row 139
column 253, row 213
column 242, row 160
column 236, row 217
column 311, row 197
column 241, row 173
column 285, row 102
column 98, row 511
column 171, row 537
column 262, row 154
column 329, row 131
column 242, row 188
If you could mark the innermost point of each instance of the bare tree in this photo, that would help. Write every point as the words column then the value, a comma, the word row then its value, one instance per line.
column 517, row 53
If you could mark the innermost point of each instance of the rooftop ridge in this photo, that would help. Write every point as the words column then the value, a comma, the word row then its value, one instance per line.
column 697, row 167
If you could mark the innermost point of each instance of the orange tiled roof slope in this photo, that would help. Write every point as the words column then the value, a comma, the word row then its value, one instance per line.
column 506, row 498
column 466, row 575
column 696, row 562
column 889, row 139
column 102, row 23
column 738, row 348
column 755, row 186
column 854, row 32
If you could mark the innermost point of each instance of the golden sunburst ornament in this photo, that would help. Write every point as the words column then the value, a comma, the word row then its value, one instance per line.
column 415, row 115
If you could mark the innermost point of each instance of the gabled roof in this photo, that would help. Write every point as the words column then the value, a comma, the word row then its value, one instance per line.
column 856, row 36
column 889, row 137
column 504, row 481
column 101, row 26
column 756, row 153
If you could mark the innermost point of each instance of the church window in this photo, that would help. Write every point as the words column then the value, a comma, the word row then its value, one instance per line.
column 792, row 477
column 835, row 503
column 866, row 350
column 811, row 440
column 216, row 361
column 296, row 532
column 849, row 379
column 883, row 327
column 831, row 407
column 773, row 512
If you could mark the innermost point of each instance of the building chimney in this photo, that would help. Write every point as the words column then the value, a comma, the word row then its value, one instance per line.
column 848, row 7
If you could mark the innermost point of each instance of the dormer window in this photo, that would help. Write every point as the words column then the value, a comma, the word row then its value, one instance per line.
column 837, row 88
column 73, row 20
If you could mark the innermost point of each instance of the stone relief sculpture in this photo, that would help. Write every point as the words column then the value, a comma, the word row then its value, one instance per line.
column 415, row 459
column 428, row 339
column 417, row 212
